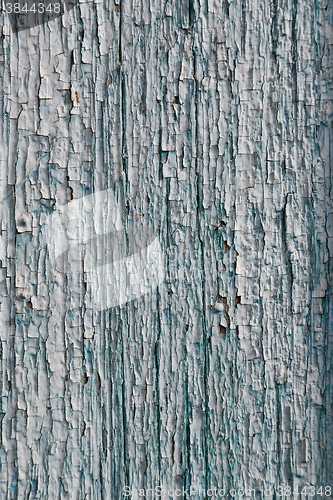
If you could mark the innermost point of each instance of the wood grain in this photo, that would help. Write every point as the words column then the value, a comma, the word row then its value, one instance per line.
column 213, row 122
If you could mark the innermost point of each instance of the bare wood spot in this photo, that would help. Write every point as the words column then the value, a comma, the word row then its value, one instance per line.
column 225, row 302
column 226, row 247
column 223, row 330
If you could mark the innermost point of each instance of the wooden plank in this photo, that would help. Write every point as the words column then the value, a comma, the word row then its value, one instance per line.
column 210, row 124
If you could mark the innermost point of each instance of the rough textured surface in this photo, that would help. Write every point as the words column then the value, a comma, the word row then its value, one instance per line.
column 214, row 122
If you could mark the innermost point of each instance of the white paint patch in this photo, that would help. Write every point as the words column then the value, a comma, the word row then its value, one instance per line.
column 87, row 236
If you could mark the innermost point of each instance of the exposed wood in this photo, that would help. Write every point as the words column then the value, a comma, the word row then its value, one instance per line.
column 211, row 122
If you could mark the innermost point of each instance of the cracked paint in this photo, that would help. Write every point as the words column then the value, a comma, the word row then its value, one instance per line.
column 213, row 120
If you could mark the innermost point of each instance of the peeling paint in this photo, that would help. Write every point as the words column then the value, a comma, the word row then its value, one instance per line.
column 213, row 121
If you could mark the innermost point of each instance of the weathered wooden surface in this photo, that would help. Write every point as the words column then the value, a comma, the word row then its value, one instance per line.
column 214, row 121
